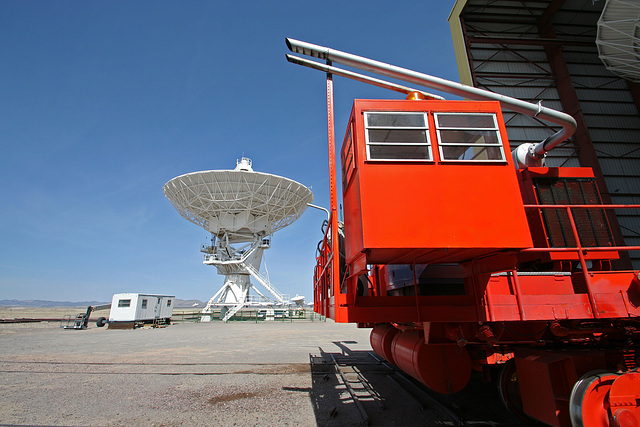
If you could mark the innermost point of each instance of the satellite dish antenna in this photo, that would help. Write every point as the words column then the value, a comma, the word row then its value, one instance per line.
column 618, row 38
column 241, row 209
column 298, row 300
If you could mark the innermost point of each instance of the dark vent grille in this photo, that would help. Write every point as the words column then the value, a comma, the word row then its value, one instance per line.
column 592, row 223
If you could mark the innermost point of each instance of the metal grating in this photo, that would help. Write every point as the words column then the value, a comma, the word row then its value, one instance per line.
column 592, row 223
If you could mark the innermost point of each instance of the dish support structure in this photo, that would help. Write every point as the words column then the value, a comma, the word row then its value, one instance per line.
column 239, row 264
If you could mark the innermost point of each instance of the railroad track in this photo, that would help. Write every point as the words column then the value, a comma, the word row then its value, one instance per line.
column 146, row 368
column 379, row 392
column 30, row 320
column 423, row 397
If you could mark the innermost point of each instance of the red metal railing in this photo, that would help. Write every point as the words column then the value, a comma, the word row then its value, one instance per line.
column 579, row 249
column 322, row 277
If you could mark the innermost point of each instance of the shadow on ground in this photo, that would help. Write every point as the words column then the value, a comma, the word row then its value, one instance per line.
column 356, row 388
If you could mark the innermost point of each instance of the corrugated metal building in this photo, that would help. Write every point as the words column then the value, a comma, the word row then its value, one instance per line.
column 545, row 50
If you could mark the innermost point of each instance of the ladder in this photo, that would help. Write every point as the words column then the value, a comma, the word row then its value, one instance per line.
column 265, row 282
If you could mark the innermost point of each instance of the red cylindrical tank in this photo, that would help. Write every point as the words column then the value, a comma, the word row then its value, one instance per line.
column 381, row 339
column 445, row 368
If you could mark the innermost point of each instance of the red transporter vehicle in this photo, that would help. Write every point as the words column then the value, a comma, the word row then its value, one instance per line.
column 461, row 260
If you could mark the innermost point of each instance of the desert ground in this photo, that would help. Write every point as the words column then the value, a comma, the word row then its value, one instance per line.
column 228, row 374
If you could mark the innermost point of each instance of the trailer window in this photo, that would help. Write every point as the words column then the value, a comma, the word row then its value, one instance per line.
column 168, row 303
column 397, row 136
column 469, row 137
column 144, row 303
column 124, row 303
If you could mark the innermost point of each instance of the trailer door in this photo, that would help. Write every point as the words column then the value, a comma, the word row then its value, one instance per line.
column 157, row 308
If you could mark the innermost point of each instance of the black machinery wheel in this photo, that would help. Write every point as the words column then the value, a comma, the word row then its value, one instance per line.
column 101, row 322
column 509, row 390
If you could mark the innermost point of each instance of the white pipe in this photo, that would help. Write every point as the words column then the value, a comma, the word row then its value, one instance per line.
column 322, row 209
column 359, row 77
column 534, row 152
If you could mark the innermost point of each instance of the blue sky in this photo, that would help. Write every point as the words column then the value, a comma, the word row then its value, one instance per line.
column 103, row 102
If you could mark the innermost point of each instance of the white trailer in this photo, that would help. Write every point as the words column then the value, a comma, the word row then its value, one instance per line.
column 129, row 310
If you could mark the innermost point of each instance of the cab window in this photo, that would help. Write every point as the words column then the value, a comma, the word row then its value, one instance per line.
column 469, row 137
column 397, row 136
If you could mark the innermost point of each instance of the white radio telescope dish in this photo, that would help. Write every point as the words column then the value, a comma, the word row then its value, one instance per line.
column 618, row 38
column 238, row 202
column 240, row 208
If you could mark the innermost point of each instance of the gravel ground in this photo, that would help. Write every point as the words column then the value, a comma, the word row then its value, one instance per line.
column 185, row 374
column 197, row 374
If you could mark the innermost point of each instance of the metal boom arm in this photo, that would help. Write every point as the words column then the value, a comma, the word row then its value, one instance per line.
column 530, row 154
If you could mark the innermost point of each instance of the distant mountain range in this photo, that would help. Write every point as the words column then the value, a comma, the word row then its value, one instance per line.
column 177, row 303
